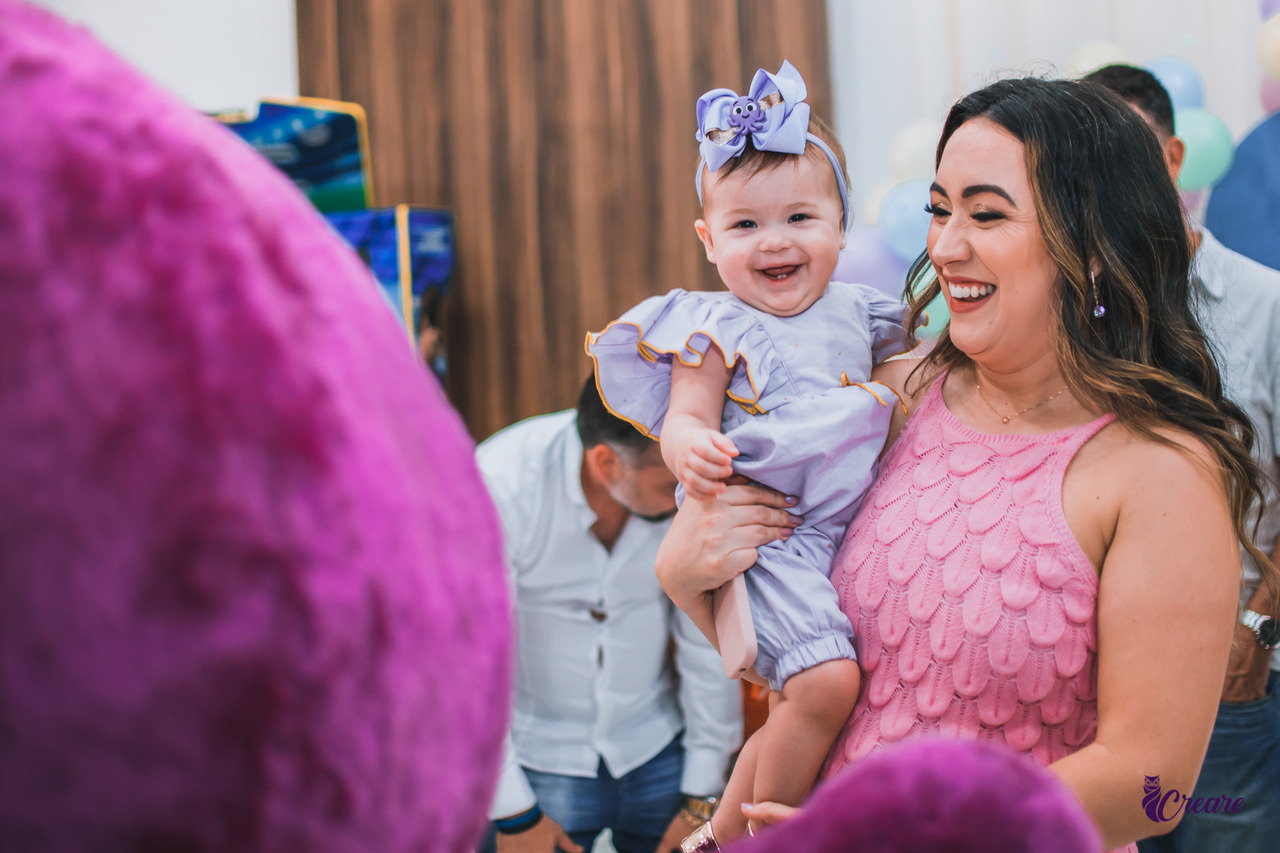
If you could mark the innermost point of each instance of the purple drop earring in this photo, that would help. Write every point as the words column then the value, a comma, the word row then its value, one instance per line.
column 1098, row 308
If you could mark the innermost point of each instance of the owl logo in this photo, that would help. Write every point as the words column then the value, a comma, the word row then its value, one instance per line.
column 1151, row 797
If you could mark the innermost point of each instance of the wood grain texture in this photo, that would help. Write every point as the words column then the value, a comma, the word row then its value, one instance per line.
column 560, row 133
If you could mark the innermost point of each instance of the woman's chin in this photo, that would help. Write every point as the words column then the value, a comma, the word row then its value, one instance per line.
column 970, row 341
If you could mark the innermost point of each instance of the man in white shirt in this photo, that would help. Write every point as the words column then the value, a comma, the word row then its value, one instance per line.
column 1239, row 308
column 623, row 718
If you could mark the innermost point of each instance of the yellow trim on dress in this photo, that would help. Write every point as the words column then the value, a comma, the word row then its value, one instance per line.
column 595, row 374
column 650, row 354
column 846, row 382
column 901, row 403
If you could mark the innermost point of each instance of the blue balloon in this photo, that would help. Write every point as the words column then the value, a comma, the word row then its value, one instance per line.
column 1242, row 211
column 868, row 259
column 1180, row 78
column 903, row 220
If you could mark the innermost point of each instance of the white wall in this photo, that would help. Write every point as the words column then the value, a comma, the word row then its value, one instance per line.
column 894, row 61
column 214, row 54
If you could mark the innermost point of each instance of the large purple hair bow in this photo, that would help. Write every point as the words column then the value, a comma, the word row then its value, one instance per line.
column 772, row 115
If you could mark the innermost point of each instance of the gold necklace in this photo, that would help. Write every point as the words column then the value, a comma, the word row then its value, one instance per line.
column 1004, row 419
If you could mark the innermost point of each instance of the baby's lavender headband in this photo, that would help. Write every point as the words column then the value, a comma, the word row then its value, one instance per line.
column 773, row 115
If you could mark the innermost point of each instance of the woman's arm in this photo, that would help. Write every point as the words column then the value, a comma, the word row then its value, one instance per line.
column 711, row 540
column 1166, row 610
column 692, row 445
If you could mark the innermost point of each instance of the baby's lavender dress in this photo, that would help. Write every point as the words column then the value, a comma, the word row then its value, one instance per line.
column 804, row 416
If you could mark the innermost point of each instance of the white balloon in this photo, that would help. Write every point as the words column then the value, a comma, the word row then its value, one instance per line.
column 1269, row 47
column 1093, row 55
column 869, row 212
column 912, row 149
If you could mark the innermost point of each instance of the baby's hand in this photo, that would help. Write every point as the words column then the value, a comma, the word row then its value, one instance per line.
column 704, row 463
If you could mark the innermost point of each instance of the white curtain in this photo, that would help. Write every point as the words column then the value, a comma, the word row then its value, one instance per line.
column 899, row 61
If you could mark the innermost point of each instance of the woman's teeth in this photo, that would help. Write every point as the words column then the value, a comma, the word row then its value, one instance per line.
column 973, row 291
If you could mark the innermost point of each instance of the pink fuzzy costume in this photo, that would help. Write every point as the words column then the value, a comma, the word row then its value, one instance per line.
column 936, row 794
column 251, row 595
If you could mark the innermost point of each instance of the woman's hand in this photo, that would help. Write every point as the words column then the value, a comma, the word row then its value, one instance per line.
column 711, row 541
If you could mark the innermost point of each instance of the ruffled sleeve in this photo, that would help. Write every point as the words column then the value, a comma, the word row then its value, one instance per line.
column 886, row 318
column 633, row 354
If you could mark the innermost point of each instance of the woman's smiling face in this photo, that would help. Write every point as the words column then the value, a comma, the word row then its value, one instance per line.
column 986, row 244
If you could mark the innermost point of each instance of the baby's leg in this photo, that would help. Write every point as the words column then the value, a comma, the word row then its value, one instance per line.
column 794, row 741
column 728, row 822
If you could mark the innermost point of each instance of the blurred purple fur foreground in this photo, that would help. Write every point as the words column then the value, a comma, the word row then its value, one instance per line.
column 936, row 796
column 251, row 595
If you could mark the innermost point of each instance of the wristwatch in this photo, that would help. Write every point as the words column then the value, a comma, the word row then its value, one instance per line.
column 1266, row 629
column 698, row 810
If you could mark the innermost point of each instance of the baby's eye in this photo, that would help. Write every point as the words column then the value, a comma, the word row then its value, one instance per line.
column 799, row 217
column 936, row 212
column 744, row 223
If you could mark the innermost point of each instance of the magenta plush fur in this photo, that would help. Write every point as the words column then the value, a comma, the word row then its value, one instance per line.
column 251, row 595
column 936, row 795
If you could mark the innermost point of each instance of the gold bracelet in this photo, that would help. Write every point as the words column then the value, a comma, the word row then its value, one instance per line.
column 699, row 809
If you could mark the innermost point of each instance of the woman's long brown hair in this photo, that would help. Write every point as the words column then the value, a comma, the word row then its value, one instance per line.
column 1104, row 200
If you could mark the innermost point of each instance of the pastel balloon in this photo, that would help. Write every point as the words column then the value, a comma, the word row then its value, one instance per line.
column 1210, row 148
column 1269, row 93
column 1093, row 55
column 869, row 212
column 868, row 259
column 1242, row 212
column 938, row 315
column 1267, row 8
column 903, row 219
column 913, row 149
column 1269, row 47
column 1180, row 78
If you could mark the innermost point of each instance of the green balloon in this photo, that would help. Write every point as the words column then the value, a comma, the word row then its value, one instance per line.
column 936, row 312
column 1210, row 148
column 938, row 315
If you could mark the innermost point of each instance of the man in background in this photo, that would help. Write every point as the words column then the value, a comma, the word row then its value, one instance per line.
column 1239, row 308
column 623, row 717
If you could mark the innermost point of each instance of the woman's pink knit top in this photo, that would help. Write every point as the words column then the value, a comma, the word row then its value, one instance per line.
column 973, row 606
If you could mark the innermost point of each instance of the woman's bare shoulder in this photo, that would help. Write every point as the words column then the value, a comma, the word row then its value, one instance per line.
column 1156, row 466
column 1155, row 489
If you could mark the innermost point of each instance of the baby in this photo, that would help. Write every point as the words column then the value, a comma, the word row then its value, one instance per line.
column 770, row 380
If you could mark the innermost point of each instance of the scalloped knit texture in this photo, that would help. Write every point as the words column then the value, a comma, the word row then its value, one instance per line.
column 973, row 607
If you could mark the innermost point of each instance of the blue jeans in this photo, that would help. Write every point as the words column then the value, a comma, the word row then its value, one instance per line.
column 637, row 808
column 1243, row 761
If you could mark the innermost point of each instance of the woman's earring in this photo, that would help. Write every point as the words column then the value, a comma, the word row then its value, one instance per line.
column 1098, row 308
